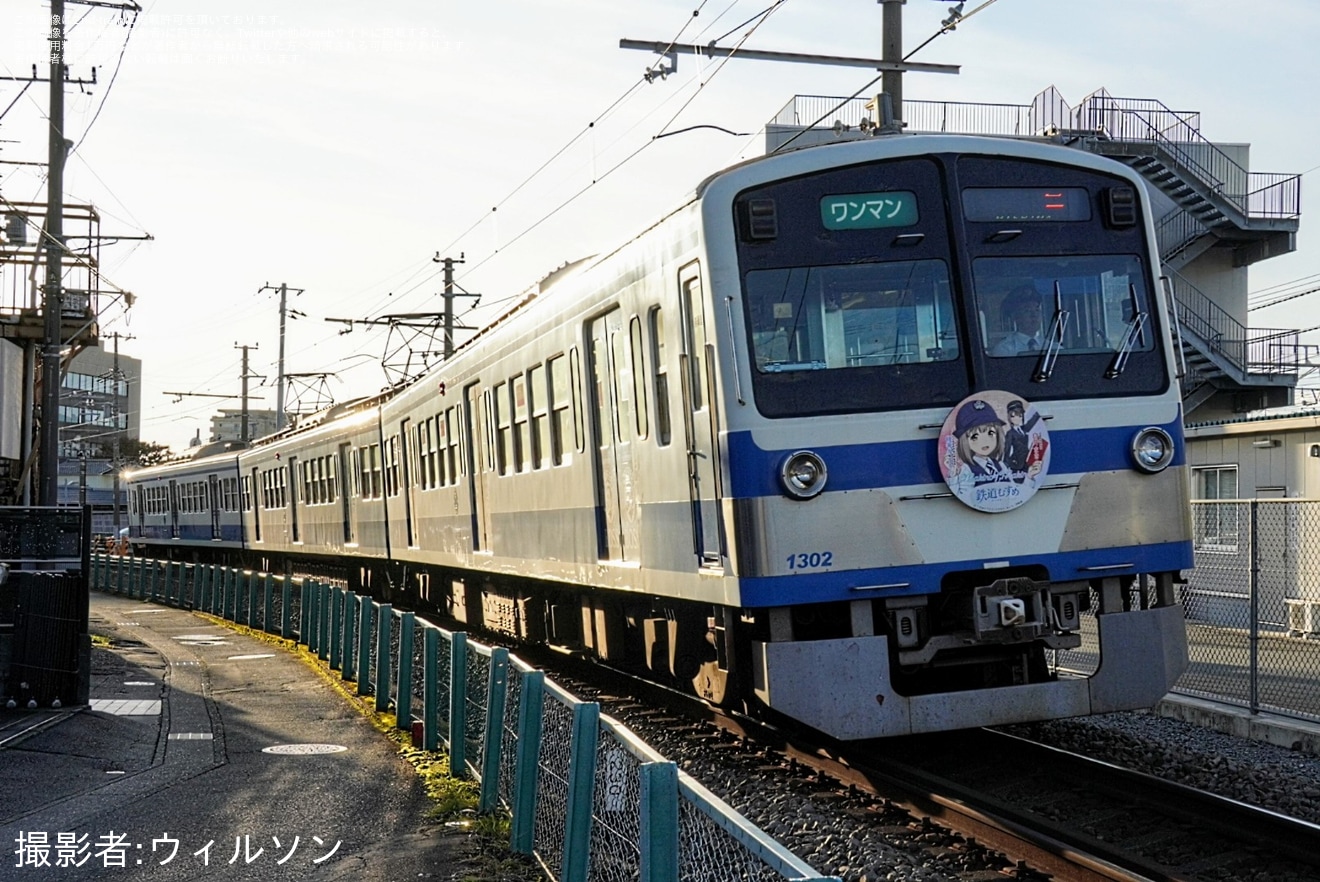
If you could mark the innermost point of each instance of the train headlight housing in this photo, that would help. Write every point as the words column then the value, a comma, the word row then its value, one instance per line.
column 1152, row 449
column 803, row 474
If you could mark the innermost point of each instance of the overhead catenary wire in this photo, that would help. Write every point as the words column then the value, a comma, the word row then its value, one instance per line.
column 763, row 17
column 590, row 128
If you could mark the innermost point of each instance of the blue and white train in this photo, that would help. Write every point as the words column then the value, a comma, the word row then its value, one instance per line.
column 875, row 435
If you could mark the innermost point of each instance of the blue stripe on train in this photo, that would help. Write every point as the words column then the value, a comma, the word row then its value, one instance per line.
column 823, row 586
column 755, row 472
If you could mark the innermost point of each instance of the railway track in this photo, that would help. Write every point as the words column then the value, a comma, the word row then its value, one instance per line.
column 993, row 805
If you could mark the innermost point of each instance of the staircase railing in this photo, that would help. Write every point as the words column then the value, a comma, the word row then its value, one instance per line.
column 1223, row 335
column 1274, row 351
column 1177, row 230
column 1175, row 132
column 1254, row 194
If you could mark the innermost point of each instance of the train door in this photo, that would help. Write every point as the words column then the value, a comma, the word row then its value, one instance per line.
column 406, row 471
column 258, row 498
column 213, row 494
column 696, row 371
column 174, row 510
column 296, row 533
column 617, row 507
column 476, row 453
column 345, row 500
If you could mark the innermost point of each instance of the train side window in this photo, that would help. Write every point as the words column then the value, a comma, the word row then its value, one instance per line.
column 623, row 385
column 560, row 400
column 637, row 350
column 536, row 405
column 660, row 377
column 434, row 471
column 444, row 468
column 521, row 453
column 331, row 481
column 392, row 465
column 503, row 427
column 454, row 430
column 377, row 467
column 575, row 390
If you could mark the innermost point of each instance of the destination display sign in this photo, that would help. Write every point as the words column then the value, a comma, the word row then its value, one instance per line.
column 1027, row 204
column 866, row 211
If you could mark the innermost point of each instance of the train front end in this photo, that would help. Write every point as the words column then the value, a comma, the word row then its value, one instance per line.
column 953, row 458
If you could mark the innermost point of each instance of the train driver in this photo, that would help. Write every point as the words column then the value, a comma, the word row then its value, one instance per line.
column 1022, row 307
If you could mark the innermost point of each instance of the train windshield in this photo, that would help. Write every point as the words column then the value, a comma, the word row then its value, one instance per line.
column 1080, row 304
column 913, row 281
column 824, row 318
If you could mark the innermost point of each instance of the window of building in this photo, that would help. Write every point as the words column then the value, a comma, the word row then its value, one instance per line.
column 1216, row 514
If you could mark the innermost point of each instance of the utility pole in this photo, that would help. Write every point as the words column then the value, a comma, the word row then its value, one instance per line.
column 52, row 301
column 891, row 82
column 411, row 325
column 890, row 64
column 53, row 245
column 243, row 419
column 279, row 388
column 115, row 379
column 449, row 298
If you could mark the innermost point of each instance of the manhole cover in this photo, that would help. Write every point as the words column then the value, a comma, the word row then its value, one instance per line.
column 198, row 637
column 304, row 749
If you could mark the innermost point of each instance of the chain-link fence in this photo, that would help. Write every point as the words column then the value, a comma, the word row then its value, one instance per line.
column 588, row 800
column 1253, row 605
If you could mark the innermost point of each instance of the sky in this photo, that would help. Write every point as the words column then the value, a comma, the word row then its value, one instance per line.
column 338, row 148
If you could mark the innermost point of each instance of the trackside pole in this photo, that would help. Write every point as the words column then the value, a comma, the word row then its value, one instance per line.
column 581, row 792
column 403, row 701
column 383, row 625
column 527, row 769
column 659, row 860
column 497, row 689
column 458, row 705
column 364, row 647
column 351, row 616
column 431, row 690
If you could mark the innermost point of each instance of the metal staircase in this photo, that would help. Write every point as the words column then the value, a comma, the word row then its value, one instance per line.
column 1217, row 203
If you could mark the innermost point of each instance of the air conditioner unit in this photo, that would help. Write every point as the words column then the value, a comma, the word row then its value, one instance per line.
column 1303, row 618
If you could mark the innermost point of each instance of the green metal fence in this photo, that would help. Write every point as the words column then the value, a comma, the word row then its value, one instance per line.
column 588, row 800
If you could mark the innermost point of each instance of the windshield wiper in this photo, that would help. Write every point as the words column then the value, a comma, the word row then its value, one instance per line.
column 1130, row 337
column 1053, row 340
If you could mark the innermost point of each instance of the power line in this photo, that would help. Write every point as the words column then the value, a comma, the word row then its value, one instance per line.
column 764, row 16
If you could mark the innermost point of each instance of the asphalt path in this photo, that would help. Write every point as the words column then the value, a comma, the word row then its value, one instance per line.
column 209, row 754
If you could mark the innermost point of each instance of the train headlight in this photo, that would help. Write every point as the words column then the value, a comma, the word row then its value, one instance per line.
column 1152, row 449
column 803, row 474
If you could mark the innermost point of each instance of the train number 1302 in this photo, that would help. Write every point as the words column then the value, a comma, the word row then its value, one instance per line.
column 811, row 560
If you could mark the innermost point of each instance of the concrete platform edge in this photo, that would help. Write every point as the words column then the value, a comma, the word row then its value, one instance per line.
column 1240, row 722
